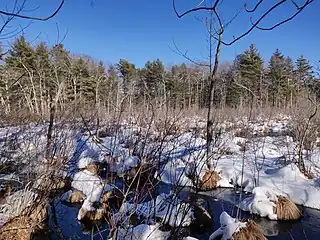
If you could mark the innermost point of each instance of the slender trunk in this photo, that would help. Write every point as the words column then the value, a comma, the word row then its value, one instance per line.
column 50, row 127
column 211, row 94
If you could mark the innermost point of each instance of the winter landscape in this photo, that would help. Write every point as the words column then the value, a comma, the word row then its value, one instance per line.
column 204, row 149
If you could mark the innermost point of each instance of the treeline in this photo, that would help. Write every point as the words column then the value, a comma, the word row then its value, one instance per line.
column 34, row 77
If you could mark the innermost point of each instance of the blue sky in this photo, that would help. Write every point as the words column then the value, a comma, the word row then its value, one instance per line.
column 141, row 30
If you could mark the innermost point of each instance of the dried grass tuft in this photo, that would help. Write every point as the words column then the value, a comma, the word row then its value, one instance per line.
column 76, row 197
column 286, row 209
column 93, row 168
column 209, row 181
column 96, row 215
column 250, row 232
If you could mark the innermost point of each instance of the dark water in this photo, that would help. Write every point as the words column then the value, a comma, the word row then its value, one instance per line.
column 215, row 202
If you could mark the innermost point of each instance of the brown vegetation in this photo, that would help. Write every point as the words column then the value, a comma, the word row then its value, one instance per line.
column 93, row 168
column 31, row 225
column 76, row 197
column 250, row 232
column 209, row 181
column 97, row 215
column 113, row 199
column 286, row 209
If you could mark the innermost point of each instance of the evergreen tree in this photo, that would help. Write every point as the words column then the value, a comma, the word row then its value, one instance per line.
column 154, row 77
column 128, row 72
column 303, row 70
column 21, row 55
column 278, row 77
column 249, row 67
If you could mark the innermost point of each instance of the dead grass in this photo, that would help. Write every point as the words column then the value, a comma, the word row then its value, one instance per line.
column 250, row 232
column 286, row 209
column 96, row 215
column 113, row 199
column 17, row 229
column 209, row 181
column 27, row 226
column 76, row 197
column 93, row 168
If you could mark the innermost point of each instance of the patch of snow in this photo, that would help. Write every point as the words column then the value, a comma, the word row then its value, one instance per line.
column 15, row 204
column 89, row 184
column 143, row 232
column 261, row 203
column 167, row 207
column 229, row 226
column 269, row 151
column 66, row 196
column 86, row 207
column 84, row 162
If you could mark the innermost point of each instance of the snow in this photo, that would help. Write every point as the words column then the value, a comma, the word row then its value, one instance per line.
column 143, row 232
column 15, row 204
column 86, row 207
column 261, row 203
column 128, row 163
column 269, row 151
column 66, row 196
column 89, row 184
column 84, row 162
column 229, row 226
column 167, row 207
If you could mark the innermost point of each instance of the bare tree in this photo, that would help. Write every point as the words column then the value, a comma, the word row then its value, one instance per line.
column 218, row 29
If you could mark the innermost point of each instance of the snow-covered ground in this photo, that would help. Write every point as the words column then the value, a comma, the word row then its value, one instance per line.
column 248, row 154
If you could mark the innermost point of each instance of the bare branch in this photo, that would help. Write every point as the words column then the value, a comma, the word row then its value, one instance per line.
column 254, row 24
column 254, row 8
column 185, row 55
column 286, row 20
column 33, row 18
column 194, row 9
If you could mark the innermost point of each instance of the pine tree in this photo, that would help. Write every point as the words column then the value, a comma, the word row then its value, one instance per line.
column 249, row 67
column 303, row 70
column 154, row 77
column 21, row 55
column 128, row 72
column 278, row 78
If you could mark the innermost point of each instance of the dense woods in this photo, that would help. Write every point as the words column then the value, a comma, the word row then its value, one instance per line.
column 34, row 76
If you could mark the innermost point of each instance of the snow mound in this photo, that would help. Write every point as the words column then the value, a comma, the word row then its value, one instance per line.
column 84, row 162
column 229, row 226
column 269, row 151
column 89, row 184
column 167, row 207
column 261, row 203
column 86, row 207
column 143, row 232
column 15, row 204
column 128, row 163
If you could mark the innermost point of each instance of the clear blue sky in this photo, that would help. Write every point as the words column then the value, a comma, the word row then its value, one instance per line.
column 141, row 30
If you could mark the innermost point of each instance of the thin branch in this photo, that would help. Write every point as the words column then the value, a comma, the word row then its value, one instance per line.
column 194, row 9
column 254, row 8
column 34, row 18
column 286, row 20
column 178, row 51
column 254, row 24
